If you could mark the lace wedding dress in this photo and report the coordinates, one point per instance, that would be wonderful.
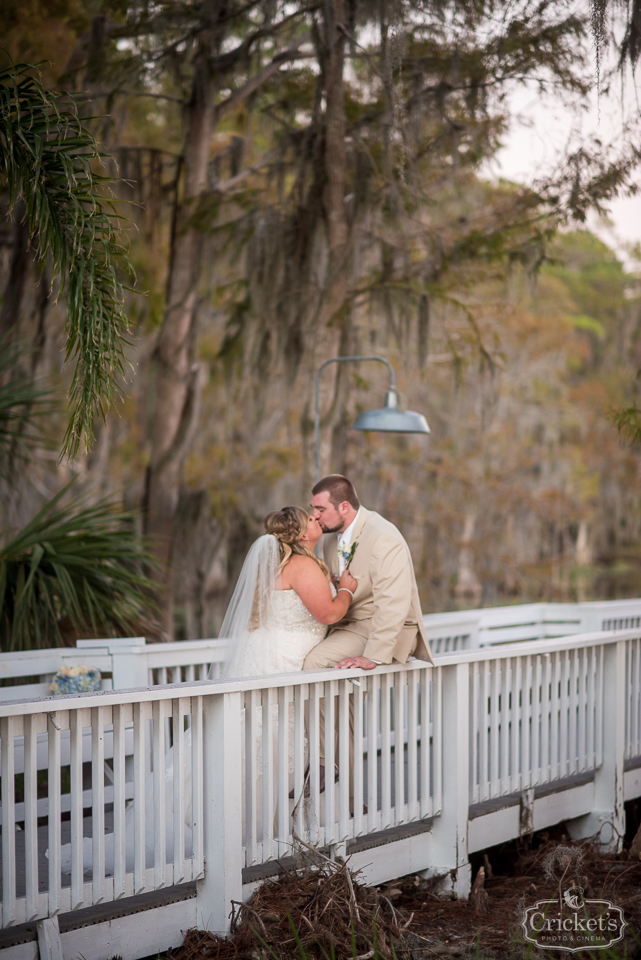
(283, 646)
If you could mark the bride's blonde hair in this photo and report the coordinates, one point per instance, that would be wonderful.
(289, 526)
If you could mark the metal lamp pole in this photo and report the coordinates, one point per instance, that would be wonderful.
(317, 408)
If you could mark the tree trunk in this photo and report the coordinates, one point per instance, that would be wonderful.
(335, 160)
(331, 311)
(176, 381)
(20, 260)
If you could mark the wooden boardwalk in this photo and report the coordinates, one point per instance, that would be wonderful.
(497, 741)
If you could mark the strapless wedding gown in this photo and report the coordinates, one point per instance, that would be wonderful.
(281, 649)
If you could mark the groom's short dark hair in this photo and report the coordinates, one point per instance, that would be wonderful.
(339, 489)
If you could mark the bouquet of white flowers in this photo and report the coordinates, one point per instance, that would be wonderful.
(78, 679)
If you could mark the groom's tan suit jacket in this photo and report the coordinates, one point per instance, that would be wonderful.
(386, 609)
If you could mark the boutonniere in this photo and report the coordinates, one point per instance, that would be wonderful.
(348, 555)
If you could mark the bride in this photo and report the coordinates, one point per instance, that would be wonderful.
(281, 607)
(284, 599)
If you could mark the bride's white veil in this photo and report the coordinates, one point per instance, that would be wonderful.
(250, 607)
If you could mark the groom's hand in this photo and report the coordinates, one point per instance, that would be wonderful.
(348, 663)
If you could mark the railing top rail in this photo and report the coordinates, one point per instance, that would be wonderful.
(140, 647)
(214, 687)
(521, 648)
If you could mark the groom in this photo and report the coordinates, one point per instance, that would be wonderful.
(384, 620)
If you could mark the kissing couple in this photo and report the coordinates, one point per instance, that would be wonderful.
(357, 607)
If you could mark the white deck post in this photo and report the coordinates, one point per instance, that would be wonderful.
(607, 819)
(128, 658)
(449, 833)
(49, 942)
(223, 840)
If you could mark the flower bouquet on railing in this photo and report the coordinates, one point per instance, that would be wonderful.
(79, 679)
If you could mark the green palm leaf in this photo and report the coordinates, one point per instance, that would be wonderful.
(47, 157)
(81, 562)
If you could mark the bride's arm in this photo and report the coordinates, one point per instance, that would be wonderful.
(306, 579)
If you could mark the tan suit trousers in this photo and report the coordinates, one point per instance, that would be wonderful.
(340, 643)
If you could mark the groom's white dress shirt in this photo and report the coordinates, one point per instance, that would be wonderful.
(344, 543)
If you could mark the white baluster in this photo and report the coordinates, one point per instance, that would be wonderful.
(565, 710)
(400, 806)
(7, 728)
(385, 747)
(435, 690)
(160, 806)
(535, 723)
(546, 717)
(252, 713)
(300, 696)
(330, 758)
(179, 708)
(555, 763)
(358, 694)
(98, 803)
(284, 700)
(591, 707)
(484, 694)
(140, 771)
(344, 689)
(504, 739)
(373, 695)
(315, 694)
(30, 814)
(582, 658)
(599, 697)
(475, 733)
(269, 702)
(413, 808)
(197, 788)
(76, 718)
(573, 670)
(53, 760)
(526, 722)
(119, 840)
(495, 718)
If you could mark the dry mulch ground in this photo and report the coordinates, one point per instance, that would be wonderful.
(324, 911)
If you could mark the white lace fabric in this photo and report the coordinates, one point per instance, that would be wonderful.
(282, 648)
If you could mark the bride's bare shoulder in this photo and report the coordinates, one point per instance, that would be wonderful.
(299, 566)
(298, 562)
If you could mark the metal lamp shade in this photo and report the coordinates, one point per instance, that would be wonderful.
(392, 420)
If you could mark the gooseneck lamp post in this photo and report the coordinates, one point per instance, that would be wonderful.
(389, 419)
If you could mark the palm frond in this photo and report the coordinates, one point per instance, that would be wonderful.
(81, 562)
(47, 157)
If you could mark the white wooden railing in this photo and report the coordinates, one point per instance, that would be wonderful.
(124, 662)
(210, 766)
(130, 662)
(492, 626)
